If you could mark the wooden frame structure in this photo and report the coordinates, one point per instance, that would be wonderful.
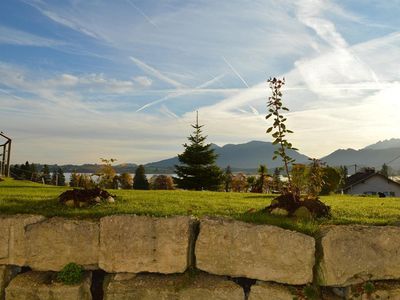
(5, 156)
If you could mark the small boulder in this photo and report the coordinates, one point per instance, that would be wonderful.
(303, 213)
(279, 212)
(110, 199)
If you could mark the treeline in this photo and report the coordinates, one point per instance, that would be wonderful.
(37, 173)
(104, 177)
(107, 178)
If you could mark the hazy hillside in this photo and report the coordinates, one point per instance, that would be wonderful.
(246, 156)
(366, 157)
(386, 144)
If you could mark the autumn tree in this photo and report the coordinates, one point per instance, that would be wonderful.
(197, 169)
(316, 178)
(299, 175)
(162, 182)
(125, 181)
(106, 173)
(331, 180)
(74, 179)
(239, 183)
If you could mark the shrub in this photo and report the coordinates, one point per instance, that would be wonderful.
(70, 274)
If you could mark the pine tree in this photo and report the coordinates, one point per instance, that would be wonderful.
(54, 179)
(140, 181)
(385, 170)
(276, 177)
(61, 177)
(261, 183)
(33, 172)
(198, 170)
(228, 177)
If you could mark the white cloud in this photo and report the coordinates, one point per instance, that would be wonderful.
(143, 81)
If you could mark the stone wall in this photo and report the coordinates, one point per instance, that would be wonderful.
(184, 258)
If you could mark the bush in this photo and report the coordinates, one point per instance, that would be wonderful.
(70, 274)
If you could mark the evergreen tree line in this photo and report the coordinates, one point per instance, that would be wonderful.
(30, 171)
(107, 178)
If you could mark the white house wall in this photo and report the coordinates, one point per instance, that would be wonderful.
(375, 184)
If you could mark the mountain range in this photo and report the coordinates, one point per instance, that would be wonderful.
(375, 155)
(240, 157)
(248, 156)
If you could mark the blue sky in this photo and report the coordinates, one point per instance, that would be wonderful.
(80, 80)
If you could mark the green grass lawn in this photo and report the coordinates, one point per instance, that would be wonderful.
(27, 197)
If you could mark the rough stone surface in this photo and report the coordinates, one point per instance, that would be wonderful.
(382, 291)
(354, 254)
(263, 252)
(12, 238)
(171, 287)
(41, 286)
(144, 244)
(6, 274)
(266, 290)
(55, 242)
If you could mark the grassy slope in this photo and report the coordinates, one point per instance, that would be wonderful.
(28, 197)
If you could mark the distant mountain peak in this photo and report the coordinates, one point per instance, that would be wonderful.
(385, 144)
(243, 156)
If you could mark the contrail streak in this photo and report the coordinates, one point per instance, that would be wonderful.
(181, 93)
(155, 72)
(142, 13)
(234, 71)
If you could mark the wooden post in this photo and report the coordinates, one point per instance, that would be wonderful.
(8, 159)
(3, 160)
(6, 164)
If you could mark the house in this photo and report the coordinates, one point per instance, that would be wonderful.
(370, 182)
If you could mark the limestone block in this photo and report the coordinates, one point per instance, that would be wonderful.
(12, 238)
(264, 252)
(42, 286)
(6, 274)
(171, 287)
(55, 242)
(266, 290)
(136, 244)
(354, 254)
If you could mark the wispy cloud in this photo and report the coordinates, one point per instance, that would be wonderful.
(17, 37)
(64, 21)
